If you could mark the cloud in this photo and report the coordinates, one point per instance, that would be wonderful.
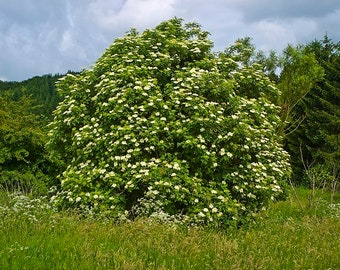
(28, 35)
(39, 36)
(330, 25)
(128, 14)
(273, 33)
(284, 9)
(54, 36)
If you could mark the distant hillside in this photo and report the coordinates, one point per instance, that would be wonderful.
(7, 85)
(40, 88)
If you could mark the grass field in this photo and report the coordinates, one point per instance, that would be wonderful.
(32, 236)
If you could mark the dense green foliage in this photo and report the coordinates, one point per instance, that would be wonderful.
(316, 141)
(25, 110)
(22, 143)
(162, 127)
(300, 74)
(40, 88)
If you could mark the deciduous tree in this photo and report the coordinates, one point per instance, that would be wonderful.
(162, 127)
(23, 163)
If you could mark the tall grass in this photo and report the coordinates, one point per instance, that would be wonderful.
(33, 236)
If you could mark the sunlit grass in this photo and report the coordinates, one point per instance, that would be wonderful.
(285, 237)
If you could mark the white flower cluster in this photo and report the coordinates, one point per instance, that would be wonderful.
(25, 207)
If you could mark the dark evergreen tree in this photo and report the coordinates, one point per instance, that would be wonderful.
(316, 141)
(42, 90)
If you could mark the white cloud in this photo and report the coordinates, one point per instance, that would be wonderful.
(330, 25)
(268, 9)
(39, 36)
(69, 14)
(139, 14)
(67, 41)
(271, 35)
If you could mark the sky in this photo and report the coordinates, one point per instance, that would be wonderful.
(39, 37)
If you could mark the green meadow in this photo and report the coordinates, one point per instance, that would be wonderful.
(286, 236)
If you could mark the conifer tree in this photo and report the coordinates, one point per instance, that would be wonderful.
(317, 139)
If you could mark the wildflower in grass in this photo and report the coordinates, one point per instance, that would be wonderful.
(222, 152)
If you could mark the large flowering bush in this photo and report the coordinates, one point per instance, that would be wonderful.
(162, 127)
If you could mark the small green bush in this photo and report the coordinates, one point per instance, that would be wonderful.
(163, 127)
